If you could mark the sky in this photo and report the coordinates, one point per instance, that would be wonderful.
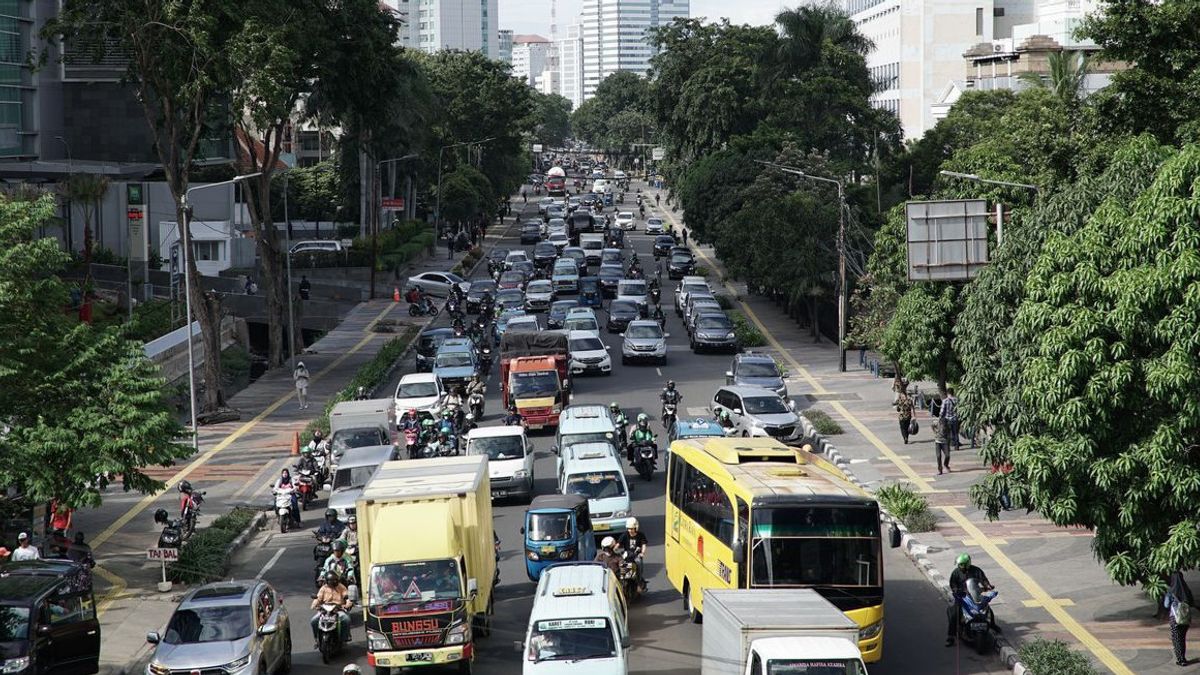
(533, 16)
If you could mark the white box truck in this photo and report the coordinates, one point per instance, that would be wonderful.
(777, 632)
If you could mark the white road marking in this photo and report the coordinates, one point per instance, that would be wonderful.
(658, 370)
(270, 563)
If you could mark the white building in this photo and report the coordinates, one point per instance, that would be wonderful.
(570, 65)
(506, 46)
(530, 55)
(919, 47)
(615, 35)
(468, 25)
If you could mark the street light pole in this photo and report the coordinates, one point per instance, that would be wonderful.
(376, 207)
(976, 178)
(843, 291)
(185, 237)
(437, 209)
(287, 251)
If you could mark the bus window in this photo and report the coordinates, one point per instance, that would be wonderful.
(817, 545)
(707, 504)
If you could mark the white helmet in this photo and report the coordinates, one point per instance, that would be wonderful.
(351, 669)
(631, 523)
(608, 542)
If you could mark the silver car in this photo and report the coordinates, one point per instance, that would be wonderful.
(644, 339)
(231, 627)
(756, 411)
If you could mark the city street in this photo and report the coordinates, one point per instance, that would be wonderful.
(664, 641)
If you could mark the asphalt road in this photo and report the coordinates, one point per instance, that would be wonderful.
(664, 641)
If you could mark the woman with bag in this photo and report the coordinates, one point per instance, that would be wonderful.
(1178, 602)
(904, 406)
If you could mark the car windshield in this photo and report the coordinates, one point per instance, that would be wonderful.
(818, 545)
(633, 288)
(454, 360)
(357, 438)
(584, 323)
(694, 288)
(665, 239)
(761, 369)
(569, 269)
(622, 306)
(764, 405)
(713, 322)
(587, 344)
(545, 249)
(512, 277)
(524, 325)
(480, 287)
(644, 332)
(595, 485)
(538, 287)
(224, 623)
(14, 623)
(497, 447)
(534, 384)
(654, 221)
(610, 257)
(416, 390)
(554, 526)
(411, 584)
(510, 295)
(814, 667)
(681, 258)
(352, 477)
(571, 640)
(562, 306)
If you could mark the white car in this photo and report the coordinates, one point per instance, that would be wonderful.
(513, 257)
(633, 290)
(655, 226)
(510, 459)
(538, 295)
(317, 246)
(625, 220)
(437, 283)
(422, 391)
(556, 226)
(559, 239)
(582, 319)
(543, 204)
(619, 175)
(588, 353)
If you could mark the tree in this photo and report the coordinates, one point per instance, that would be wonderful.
(1106, 438)
(919, 336)
(810, 32)
(616, 117)
(78, 401)
(1067, 76)
(179, 68)
(87, 189)
(553, 119)
(879, 291)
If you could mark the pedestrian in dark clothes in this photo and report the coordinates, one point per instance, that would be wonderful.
(941, 444)
(684, 231)
(904, 408)
(1178, 602)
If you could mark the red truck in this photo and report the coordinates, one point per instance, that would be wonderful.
(534, 375)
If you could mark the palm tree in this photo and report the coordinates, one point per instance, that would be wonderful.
(87, 189)
(1068, 72)
(806, 31)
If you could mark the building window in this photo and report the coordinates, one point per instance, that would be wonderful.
(207, 251)
(998, 12)
(979, 21)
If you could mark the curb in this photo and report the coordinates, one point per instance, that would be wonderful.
(914, 549)
(239, 541)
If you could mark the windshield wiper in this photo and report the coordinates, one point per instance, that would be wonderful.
(597, 655)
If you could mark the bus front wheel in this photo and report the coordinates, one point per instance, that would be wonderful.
(688, 606)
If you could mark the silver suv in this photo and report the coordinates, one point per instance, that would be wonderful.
(756, 411)
(644, 339)
(231, 627)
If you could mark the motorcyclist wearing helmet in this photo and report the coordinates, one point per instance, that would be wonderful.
(428, 431)
(670, 394)
(513, 418)
(608, 555)
(351, 669)
(332, 527)
(333, 592)
(641, 434)
(410, 422)
(447, 424)
(633, 543)
(339, 561)
(350, 534)
(618, 415)
(318, 438)
(724, 419)
(963, 572)
(307, 460)
(658, 315)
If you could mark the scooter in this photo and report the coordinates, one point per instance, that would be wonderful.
(668, 416)
(412, 439)
(306, 487)
(645, 460)
(630, 583)
(329, 631)
(171, 535)
(475, 403)
(976, 618)
(323, 547)
(423, 308)
(283, 508)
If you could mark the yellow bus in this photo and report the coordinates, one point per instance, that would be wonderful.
(754, 513)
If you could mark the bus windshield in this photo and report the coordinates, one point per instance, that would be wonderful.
(815, 546)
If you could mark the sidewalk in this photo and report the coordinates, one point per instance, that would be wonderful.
(1050, 584)
(237, 460)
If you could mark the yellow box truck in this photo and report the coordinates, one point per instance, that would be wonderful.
(427, 561)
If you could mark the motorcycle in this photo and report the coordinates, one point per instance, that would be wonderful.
(189, 511)
(475, 404)
(655, 294)
(283, 508)
(645, 460)
(306, 487)
(423, 308)
(172, 534)
(467, 426)
(630, 583)
(412, 439)
(361, 394)
(323, 547)
(976, 618)
(454, 307)
(668, 415)
(329, 631)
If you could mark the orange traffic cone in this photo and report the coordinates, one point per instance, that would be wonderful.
(296, 444)
(396, 294)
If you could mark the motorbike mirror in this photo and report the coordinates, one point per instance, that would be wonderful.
(518, 646)
(624, 642)
(666, 335)
(791, 404)
(472, 587)
(737, 411)
(267, 629)
(522, 530)
(153, 637)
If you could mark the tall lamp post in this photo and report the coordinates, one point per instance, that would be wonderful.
(377, 205)
(976, 178)
(843, 291)
(437, 209)
(186, 243)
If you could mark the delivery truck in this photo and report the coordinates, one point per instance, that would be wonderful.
(427, 562)
(534, 376)
(358, 419)
(777, 630)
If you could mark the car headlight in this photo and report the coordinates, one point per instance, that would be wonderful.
(378, 642)
(16, 665)
(730, 335)
(756, 423)
(236, 665)
(458, 635)
(868, 632)
(520, 473)
(621, 514)
(532, 555)
(155, 667)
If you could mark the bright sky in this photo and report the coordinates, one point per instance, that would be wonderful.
(533, 16)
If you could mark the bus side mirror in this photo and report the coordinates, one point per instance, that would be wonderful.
(894, 536)
(472, 587)
(739, 551)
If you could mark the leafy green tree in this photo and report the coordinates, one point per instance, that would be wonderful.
(1067, 76)
(553, 119)
(78, 401)
(920, 334)
(616, 117)
(461, 198)
(879, 291)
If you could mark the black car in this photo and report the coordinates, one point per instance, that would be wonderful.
(620, 313)
(531, 233)
(475, 295)
(614, 238)
(609, 277)
(680, 265)
(713, 331)
(544, 254)
(558, 312)
(50, 623)
(662, 245)
(428, 344)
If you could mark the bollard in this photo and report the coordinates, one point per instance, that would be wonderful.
(396, 294)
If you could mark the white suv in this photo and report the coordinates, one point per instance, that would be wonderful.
(588, 353)
(422, 391)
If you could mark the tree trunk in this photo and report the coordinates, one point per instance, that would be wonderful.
(206, 310)
(274, 272)
(816, 320)
(87, 244)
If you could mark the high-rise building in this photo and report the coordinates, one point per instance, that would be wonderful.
(615, 35)
(506, 46)
(530, 56)
(469, 25)
(570, 65)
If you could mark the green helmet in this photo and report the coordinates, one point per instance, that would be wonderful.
(306, 450)
(427, 423)
(963, 560)
(445, 413)
(724, 414)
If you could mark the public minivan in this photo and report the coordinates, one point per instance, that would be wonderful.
(591, 471)
(579, 620)
(50, 624)
(510, 459)
(582, 424)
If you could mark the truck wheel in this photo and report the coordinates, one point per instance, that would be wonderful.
(383, 670)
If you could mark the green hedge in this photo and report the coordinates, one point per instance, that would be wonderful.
(370, 375)
(1054, 657)
(910, 508)
(747, 333)
(202, 557)
(822, 422)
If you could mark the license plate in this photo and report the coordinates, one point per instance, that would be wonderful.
(976, 627)
(419, 656)
(499, 493)
(601, 527)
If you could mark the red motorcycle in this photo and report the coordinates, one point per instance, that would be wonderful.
(412, 441)
(306, 487)
(189, 507)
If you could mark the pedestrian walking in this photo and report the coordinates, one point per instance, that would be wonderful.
(450, 246)
(904, 408)
(1003, 468)
(683, 231)
(305, 287)
(1178, 602)
(300, 375)
(941, 445)
(524, 199)
(249, 286)
(949, 415)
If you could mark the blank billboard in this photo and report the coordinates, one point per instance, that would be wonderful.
(947, 240)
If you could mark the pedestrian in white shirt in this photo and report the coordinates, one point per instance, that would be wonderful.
(24, 550)
(300, 375)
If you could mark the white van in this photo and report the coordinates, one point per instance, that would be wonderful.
(591, 471)
(584, 423)
(578, 615)
(601, 186)
(317, 246)
(510, 459)
(592, 245)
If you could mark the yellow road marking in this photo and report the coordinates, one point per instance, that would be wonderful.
(1061, 602)
(1027, 582)
(994, 540)
(118, 587)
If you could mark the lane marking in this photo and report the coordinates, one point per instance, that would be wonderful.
(118, 589)
(658, 370)
(270, 563)
(1039, 594)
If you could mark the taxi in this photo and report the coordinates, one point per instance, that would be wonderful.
(578, 616)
